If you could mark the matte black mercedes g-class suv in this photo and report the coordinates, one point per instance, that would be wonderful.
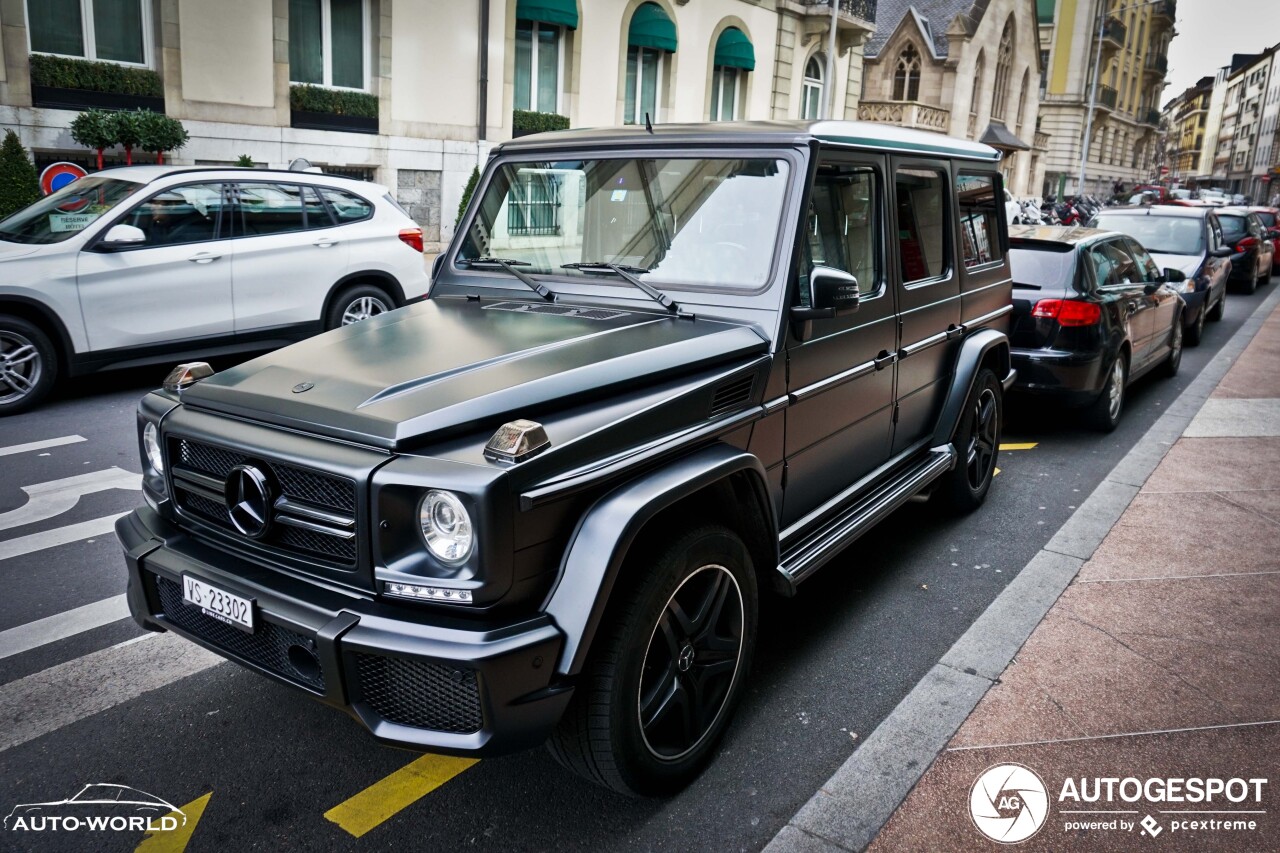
(658, 372)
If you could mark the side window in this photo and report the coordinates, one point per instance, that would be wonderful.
(922, 223)
(187, 214)
(317, 213)
(348, 206)
(271, 209)
(844, 224)
(1214, 233)
(1147, 268)
(979, 226)
(1112, 265)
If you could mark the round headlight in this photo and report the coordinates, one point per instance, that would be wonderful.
(151, 443)
(446, 527)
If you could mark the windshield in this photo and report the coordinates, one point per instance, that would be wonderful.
(1268, 218)
(687, 221)
(65, 213)
(1040, 268)
(1166, 235)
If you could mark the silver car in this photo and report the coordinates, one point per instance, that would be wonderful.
(155, 264)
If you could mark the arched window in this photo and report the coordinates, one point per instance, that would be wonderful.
(906, 77)
(812, 93)
(651, 39)
(1022, 99)
(1004, 59)
(977, 85)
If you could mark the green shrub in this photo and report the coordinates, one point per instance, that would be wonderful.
(127, 125)
(94, 129)
(62, 72)
(160, 133)
(19, 184)
(532, 122)
(245, 160)
(467, 192)
(314, 99)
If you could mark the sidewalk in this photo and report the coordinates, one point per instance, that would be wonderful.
(1161, 659)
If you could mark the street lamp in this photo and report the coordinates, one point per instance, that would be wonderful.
(1103, 14)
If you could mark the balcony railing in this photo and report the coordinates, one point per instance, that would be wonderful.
(905, 114)
(1153, 118)
(1158, 62)
(1115, 32)
(863, 10)
(1041, 141)
(1164, 12)
(1106, 97)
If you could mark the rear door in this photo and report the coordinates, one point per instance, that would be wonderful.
(840, 425)
(985, 290)
(288, 254)
(1119, 282)
(928, 291)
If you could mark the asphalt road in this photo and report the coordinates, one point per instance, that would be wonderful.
(832, 663)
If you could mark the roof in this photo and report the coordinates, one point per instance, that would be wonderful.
(932, 16)
(149, 173)
(1197, 212)
(861, 134)
(1065, 235)
(1000, 136)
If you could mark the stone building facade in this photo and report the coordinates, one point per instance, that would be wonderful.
(966, 68)
(1186, 121)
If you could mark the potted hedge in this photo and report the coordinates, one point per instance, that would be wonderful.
(159, 134)
(127, 127)
(67, 83)
(94, 129)
(317, 108)
(527, 122)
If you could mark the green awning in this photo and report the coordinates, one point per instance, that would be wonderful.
(562, 13)
(650, 27)
(734, 49)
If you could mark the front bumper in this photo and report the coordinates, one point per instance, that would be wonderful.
(1072, 378)
(415, 680)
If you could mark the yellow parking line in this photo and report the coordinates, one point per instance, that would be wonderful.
(997, 473)
(176, 840)
(1026, 445)
(387, 797)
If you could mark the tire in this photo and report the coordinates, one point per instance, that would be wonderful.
(1195, 332)
(652, 650)
(1105, 412)
(356, 303)
(28, 365)
(977, 445)
(1250, 284)
(1219, 307)
(1174, 361)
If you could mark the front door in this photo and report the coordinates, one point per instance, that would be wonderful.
(1119, 280)
(839, 427)
(1162, 304)
(175, 286)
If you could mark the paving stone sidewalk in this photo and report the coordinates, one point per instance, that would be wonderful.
(1161, 658)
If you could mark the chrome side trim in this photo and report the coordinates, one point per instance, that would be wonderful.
(924, 344)
(832, 381)
(771, 406)
(986, 318)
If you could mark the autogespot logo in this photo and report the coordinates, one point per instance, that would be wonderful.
(1008, 803)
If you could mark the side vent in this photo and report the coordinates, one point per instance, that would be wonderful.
(732, 394)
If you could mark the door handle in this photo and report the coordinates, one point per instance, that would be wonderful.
(204, 257)
(883, 360)
(324, 244)
(1133, 308)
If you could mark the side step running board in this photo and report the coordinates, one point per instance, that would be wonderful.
(815, 547)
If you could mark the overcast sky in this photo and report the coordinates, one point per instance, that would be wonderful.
(1209, 31)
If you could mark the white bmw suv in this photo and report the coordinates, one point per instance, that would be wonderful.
(155, 264)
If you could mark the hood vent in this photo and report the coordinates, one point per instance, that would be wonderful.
(560, 310)
(732, 394)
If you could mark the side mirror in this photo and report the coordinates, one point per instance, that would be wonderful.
(1221, 252)
(122, 237)
(832, 292)
(1151, 287)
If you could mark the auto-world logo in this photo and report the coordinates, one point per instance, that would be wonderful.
(100, 807)
(1008, 803)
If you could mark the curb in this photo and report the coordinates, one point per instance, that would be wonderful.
(848, 811)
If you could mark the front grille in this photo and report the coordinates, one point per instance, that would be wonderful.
(268, 646)
(421, 694)
(300, 486)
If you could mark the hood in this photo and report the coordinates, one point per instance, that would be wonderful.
(447, 366)
(1188, 264)
(9, 251)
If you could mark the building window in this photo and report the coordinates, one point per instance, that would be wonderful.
(533, 205)
(539, 58)
(108, 30)
(1022, 99)
(811, 95)
(644, 84)
(726, 88)
(977, 86)
(1004, 59)
(327, 43)
(906, 77)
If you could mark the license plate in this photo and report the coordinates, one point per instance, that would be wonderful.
(219, 604)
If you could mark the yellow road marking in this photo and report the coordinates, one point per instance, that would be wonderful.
(387, 797)
(175, 840)
(997, 473)
(1026, 445)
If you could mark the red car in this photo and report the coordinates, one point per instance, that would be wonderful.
(1270, 218)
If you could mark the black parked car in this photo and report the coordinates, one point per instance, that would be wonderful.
(1091, 313)
(658, 373)
(1183, 238)
(1254, 251)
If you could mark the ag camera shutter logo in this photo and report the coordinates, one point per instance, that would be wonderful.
(1008, 803)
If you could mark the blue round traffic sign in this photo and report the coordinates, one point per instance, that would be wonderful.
(58, 175)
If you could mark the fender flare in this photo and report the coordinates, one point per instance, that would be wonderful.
(385, 280)
(973, 351)
(604, 535)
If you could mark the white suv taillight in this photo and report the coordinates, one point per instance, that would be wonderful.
(412, 237)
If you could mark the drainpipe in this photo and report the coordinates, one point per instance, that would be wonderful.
(829, 107)
(482, 108)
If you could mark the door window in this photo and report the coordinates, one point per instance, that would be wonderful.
(186, 214)
(922, 223)
(318, 215)
(979, 226)
(271, 209)
(1112, 265)
(348, 207)
(1147, 268)
(844, 224)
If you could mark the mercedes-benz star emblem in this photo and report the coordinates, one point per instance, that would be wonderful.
(303, 386)
(248, 497)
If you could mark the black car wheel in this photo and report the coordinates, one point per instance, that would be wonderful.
(1196, 330)
(1105, 412)
(1250, 284)
(977, 445)
(28, 365)
(660, 691)
(1219, 307)
(1174, 361)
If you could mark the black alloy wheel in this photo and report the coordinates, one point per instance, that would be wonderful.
(977, 444)
(1174, 361)
(1195, 332)
(1219, 307)
(1104, 414)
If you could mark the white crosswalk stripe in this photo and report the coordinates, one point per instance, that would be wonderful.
(47, 500)
(50, 629)
(40, 445)
(58, 536)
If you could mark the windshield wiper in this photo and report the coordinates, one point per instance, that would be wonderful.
(628, 274)
(510, 264)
